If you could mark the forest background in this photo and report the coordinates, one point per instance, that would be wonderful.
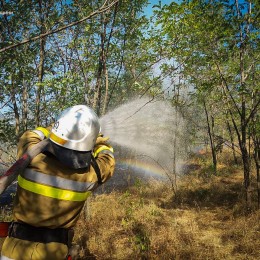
(200, 56)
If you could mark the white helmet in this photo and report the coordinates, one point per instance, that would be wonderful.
(76, 128)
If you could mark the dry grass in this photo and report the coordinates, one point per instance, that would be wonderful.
(205, 220)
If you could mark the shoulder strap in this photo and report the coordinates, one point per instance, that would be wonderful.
(96, 168)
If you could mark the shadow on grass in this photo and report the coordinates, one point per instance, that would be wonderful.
(209, 192)
(211, 196)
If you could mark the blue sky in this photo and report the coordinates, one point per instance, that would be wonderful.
(148, 10)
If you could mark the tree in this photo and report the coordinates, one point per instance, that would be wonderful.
(217, 44)
(55, 54)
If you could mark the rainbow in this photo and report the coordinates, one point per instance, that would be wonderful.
(148, 169)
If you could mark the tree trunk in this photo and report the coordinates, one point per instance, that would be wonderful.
(106, 98)
(16, 112)
(210, 133)
(24, 105)
(256, 154)
(232, 142)
(106, 90)
(243, 143)
(257, 165)
(97, 95)
(40, 70)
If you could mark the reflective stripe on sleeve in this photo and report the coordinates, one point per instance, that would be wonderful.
(41, 135)
(52, 192)
(44, 131)
(102, 149)
(3, 257)
(107, 152)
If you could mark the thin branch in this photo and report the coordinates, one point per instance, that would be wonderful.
(102, 9)
(251, 66)
(5, 164)
(112, 27)
(119, 70)
(6, 103)
(150, 101)
(252, 112)
(228, 90)
(165, 170)
(161, 77)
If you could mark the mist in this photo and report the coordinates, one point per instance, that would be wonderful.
(151, 129)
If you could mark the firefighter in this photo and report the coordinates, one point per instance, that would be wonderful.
(52, 190)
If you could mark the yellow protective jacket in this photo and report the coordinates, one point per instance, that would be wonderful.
(50, 194)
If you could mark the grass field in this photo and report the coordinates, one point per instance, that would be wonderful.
(206, 219)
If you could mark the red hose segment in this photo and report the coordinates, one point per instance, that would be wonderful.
(12, 173)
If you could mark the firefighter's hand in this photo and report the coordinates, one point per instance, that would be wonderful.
(102, 146)
(101, 140)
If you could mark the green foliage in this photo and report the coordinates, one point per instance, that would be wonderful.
(215, 47)
(141, 239)
(71, 59)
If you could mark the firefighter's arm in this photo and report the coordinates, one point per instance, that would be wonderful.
(104, 155)
(42, 132)
(30, 138)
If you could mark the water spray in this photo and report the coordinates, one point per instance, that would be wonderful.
(147, 127)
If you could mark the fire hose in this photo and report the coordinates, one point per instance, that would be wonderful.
(12, 173)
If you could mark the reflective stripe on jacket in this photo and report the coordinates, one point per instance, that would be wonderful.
(54, 186)
(50, 194)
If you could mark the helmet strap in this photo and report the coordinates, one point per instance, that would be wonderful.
(96, 168)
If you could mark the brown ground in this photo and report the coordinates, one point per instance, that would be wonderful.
(204, 218)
